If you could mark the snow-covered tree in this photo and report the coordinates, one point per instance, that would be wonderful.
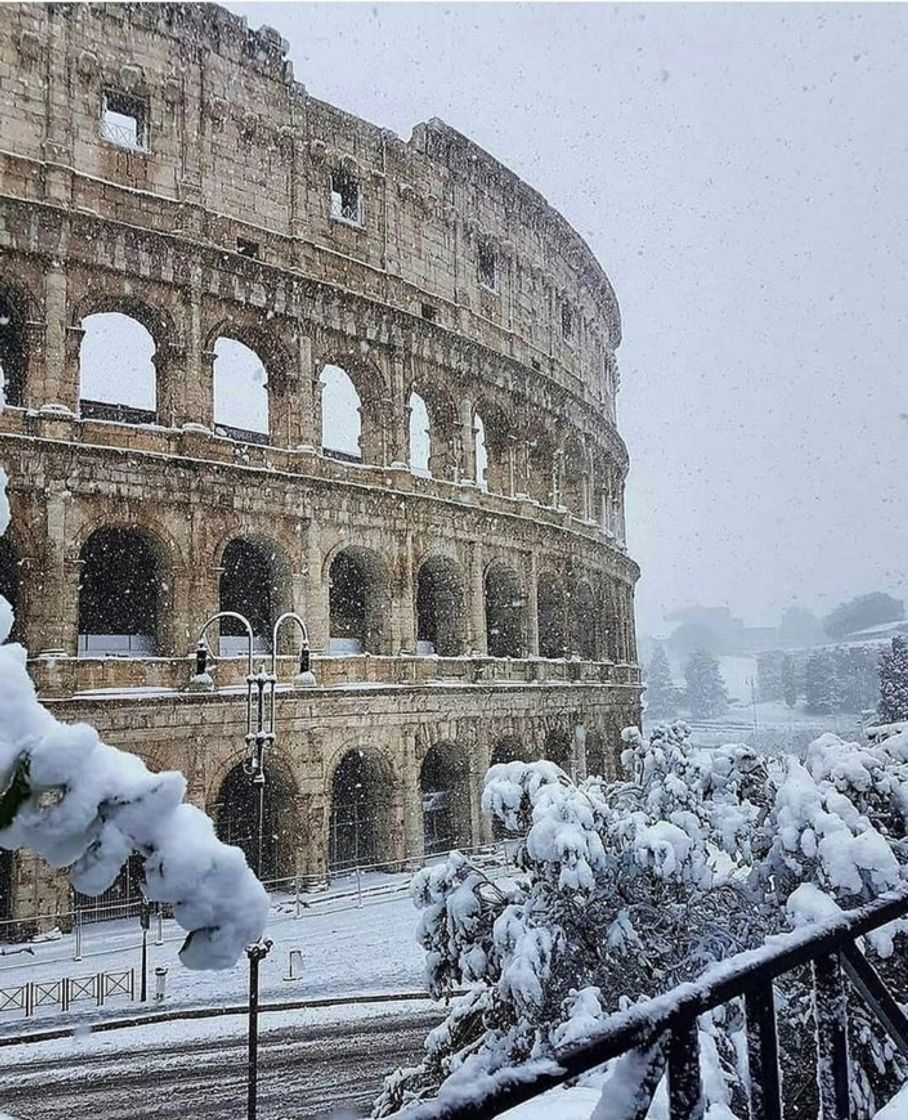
(87, 806)
(894, 681)
(821, 689)
(622, 889)
(706, 695)
(661, 696)
(789, 675)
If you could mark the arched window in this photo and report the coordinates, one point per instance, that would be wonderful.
(341, 415)
(117, 379)
(250, 585)
(510, 748)
(357, 603)
(439, 608)
(120, 595)
(559, 748)
(505, 604)
(360, 802)
(583, 610)
(552, 606)
(12, 352)
(481, 452)
(420, 440)
(10, 584)
(240, 392)
(445, 788)
(237, 821)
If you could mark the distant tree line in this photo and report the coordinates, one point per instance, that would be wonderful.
(703, 693)
(835, 679)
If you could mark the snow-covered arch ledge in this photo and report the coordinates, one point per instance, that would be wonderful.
(86, 806)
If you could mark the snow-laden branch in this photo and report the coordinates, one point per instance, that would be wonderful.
(86, 806)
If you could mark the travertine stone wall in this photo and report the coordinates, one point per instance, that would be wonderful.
(235, 148)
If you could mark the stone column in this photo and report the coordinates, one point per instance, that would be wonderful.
(521, 469)
(414, 837)
(468, 441)
(477, 636)
(196, 402)
(316, 617)
(60, 376)
(55, 602)
(305, 431)
(404, 633)
(532, 607)
(398, 434)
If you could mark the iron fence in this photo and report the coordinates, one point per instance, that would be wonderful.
(661, 1033)
(99, 987)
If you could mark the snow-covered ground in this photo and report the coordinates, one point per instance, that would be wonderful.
(345, 950)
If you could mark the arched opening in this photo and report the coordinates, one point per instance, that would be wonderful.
(122, 899)
(10, 585)
(236, 816)
(359, 829)
(559, 748)
(252, 582)
(121, 595)
(510, 748)
(552, 609)
(481, 453)
(583, 611)
(444, 783)
(505, 604)
(341, 415)
(443, 430)
(574, 479)
(420, 438)
(358, 606)
(439, 608)
(597, 759)
(13, 358)
(240, 392)
(117, 376)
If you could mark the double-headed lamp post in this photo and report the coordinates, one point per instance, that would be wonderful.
(261, 719)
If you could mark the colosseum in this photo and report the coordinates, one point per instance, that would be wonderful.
(263, 356)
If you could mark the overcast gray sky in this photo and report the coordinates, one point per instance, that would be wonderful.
(741, 173)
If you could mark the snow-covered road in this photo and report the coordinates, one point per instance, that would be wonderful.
(311, 1064)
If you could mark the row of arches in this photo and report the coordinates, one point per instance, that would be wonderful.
(125, 590)
(361, 816)
(125, 355)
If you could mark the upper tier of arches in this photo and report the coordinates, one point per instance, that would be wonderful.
(127, 357)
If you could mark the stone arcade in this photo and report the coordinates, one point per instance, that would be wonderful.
(456, 550)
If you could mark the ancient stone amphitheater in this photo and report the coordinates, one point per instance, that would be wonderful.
(261, 355)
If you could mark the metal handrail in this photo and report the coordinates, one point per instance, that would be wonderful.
(664, 1029)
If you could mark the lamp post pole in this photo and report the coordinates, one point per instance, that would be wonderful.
(261, 713)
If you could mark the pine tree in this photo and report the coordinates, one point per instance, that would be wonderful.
(789, 681)
(661, 693)
(894, 681)
(821, 690)
(706, 695)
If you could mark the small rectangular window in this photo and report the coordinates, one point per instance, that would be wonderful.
(488, 265)
(124, 120)
(429, 313)
(567, 322)
(346, 200)
(247, 248)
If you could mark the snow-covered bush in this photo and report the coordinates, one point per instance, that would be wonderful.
(620, 890)
(87, 806)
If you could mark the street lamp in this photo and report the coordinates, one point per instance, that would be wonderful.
(261, 689)
(261, 719)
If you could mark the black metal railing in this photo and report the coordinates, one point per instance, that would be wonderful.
(121, 413)
(662, 1032)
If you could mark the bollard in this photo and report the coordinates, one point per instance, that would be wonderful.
(77, 952)
(160, 981)
(359, 888)
(297, 900)
(294, 964)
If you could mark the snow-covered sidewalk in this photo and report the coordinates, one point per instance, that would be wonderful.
(345, 950)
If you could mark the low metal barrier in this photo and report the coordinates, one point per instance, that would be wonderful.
(662, 1032)
(99, 987)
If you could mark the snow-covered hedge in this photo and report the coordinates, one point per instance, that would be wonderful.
(87, 806)
(623, 889)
